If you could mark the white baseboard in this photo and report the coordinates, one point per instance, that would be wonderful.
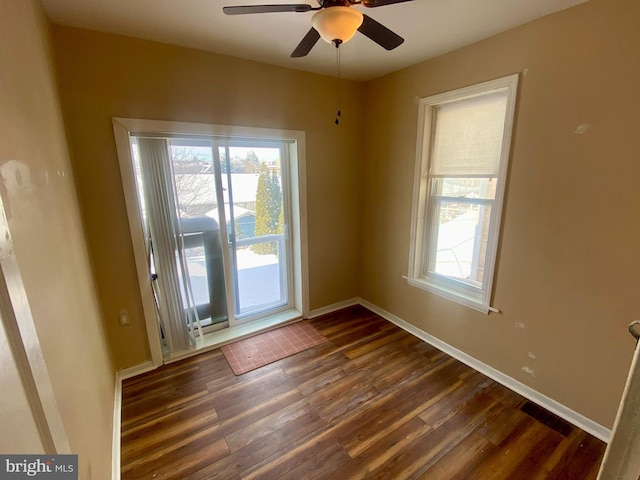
(529, 393)
(334, 307)
(136, 370)
(117, 412)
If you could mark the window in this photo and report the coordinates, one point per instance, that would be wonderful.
(461, 165)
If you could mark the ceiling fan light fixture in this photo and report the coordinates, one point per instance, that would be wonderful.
(337, 23)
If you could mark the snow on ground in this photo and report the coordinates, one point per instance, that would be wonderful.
(258, 279)
(247, 258)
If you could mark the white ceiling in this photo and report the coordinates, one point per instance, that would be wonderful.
(430, 28)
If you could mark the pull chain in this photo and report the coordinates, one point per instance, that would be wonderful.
(337, 44)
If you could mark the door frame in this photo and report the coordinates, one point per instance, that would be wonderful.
(23, 342)
(124, 127)
(621, 459)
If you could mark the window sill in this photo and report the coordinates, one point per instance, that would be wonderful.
(219, 338)
(456, 296)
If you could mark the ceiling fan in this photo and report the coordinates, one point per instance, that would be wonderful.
(335, 22)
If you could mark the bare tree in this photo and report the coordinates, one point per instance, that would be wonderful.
(194, 180)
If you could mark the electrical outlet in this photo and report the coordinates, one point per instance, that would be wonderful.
(124, 318)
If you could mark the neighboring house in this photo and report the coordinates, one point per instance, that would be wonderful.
(194, 192)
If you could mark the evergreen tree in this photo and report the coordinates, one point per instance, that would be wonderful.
(268, 207)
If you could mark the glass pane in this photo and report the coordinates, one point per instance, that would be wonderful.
(254, 209)
(461, 241)
(194, 178)
(192, 163)
(261, 275)
(469, 187)
(198, 274)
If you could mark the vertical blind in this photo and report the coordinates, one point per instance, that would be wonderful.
(176, 312)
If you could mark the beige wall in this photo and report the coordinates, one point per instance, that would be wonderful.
(566, 279)
(104, 76)
(568, 271)
(38, 192)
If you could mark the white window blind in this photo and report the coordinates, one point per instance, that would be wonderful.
(468, 137)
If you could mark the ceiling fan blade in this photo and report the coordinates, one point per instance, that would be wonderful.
(379, 33)
(307, 43)
(245, 9)
(380, 3)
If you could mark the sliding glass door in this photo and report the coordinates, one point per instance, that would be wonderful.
(257, 215)
(228, 204)
(197, 200)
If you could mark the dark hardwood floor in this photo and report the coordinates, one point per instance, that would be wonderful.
(372, 402)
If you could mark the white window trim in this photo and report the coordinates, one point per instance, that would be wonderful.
(457, 291)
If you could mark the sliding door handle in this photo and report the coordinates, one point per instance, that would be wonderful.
(634, 329)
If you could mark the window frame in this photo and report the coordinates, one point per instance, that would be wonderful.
(424, 209)
(124, 128)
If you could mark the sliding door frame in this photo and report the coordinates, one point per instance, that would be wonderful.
(124, 127)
